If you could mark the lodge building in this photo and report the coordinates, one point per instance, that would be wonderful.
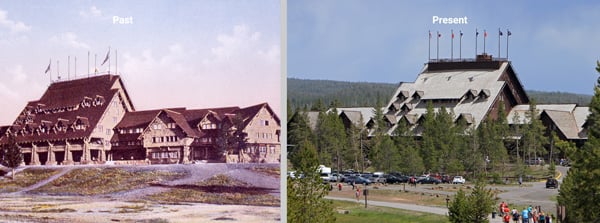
(92, 120)
(472, 89)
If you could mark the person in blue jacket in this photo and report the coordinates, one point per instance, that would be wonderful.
(525, 215)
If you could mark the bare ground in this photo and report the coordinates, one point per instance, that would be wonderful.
(129, 206)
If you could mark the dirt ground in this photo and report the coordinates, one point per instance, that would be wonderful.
(82, 210)
(26, 206)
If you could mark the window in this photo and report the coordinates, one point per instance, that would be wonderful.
(156, 126)
(100, 128)
(108, 131)
(138, 130)
(262, 149)
(130, 131)
(264, 122)
(115, 119)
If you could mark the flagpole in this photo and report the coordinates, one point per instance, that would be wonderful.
(88, 70)
(499, 35)
(116, 62)
(507, 35)
(109, 60)
(429, 48)
(476, 36)
(452, 45)
(58, 70)
(484, 37)
(438, 46)
(50, 70)
(460, 46)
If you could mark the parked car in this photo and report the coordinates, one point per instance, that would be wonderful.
(377, 177)
(391, 179)
(358, 180)
(429, 180)
(551, 183)
(446, 179)
(458, 180)
(535, 161)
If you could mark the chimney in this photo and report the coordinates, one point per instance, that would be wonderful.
(484, 57)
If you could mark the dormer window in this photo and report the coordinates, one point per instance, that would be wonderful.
(402, 95)
(417, 95)
(407, 107)
(485, 93)
(98, 101)
(87, 102)
(470, 94)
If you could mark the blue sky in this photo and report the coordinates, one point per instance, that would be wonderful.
(554, 44)
(193, 54)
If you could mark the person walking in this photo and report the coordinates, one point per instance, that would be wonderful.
(506, 218)
(516, 216)
(525, 215)
(357, 194)
(339, 186)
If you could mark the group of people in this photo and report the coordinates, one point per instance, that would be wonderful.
(528, 215)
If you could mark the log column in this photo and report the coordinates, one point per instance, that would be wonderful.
(51, 155)
(68, 155)
(35, 159)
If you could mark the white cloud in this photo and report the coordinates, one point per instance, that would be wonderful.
(242, 69)
(69, 39)
(91, 12)
(13, 26)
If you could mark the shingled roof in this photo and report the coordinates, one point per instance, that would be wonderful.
(81, 101)
(468, 89)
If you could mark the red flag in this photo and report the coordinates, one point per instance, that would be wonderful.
(484, 34)
(429, 34)
(452, 35)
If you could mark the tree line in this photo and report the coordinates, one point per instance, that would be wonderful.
(307, 93)
(443, 146)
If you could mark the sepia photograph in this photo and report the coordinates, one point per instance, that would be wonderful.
(140, 111)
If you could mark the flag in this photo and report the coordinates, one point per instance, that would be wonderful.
(48, 69)
(106, 58)
(476, 33)
(439, 35)
(500, 32)
(508, 33)
(452, 34)
(429, 34)
(461, 33)
(484, 34)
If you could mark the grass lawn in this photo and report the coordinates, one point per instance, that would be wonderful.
(219, 189)
(93, 181)
(25, 178)
(359, 214)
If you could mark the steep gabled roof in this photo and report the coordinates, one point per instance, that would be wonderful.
(248, 113)
(85, 99)
(445, 85)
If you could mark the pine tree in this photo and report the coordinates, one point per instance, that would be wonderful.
(298, 131)
(11, 154)
(428, 146)
(306, 202)
(579, 192)
(472, 208)
(533, 134)
(409, 159)
(459, 208)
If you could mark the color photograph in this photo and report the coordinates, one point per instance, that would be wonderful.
(403, 111)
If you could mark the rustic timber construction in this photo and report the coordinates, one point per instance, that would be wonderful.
(93, 121)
